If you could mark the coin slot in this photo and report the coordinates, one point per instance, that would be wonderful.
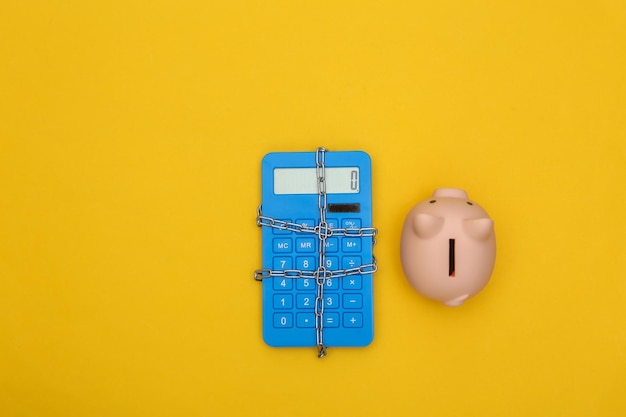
(451, 268)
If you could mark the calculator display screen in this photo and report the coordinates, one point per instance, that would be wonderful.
(344, 180)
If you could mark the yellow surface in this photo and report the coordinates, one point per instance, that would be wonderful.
(131, 135)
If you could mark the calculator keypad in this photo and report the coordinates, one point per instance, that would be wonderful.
(294, 299)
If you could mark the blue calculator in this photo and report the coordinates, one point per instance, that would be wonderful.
(317, 237)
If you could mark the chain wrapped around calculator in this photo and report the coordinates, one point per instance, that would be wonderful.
(345, 182)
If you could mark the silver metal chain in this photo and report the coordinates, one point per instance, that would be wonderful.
(261, 274)
(265, 221)
(323, 232)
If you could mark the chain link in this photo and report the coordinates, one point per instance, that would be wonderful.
(261, 274)
(323, 232)
(282, 225)
(362, 232)
(265, 221)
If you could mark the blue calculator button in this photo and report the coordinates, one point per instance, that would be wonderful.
(283, 320)
(305, 320)
(305, 284)
(331, 300)
(281, 231)
(283, 301)
(351, 223)
(305, 300)
(349, 262)
(352, 320)
(305, 263)
(352, 301)
(351, 244)
(331, 284)
(306, 222)
(281, 283)
(332, 223)
(305, 244)
(282, 245)
(331, 320)
(332, 244)
(283, 262)
(332, 263)
(352, 282)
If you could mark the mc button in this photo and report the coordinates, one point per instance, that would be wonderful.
(282, 245)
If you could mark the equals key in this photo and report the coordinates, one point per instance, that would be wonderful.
(331, 320)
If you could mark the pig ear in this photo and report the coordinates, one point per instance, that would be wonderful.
(479, 229)
(427, 225)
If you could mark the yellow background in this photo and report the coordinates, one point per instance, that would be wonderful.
(131, 136)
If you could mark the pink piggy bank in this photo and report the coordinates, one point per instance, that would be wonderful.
(448, 247)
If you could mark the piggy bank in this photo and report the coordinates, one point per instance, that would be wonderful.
(448, 247)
